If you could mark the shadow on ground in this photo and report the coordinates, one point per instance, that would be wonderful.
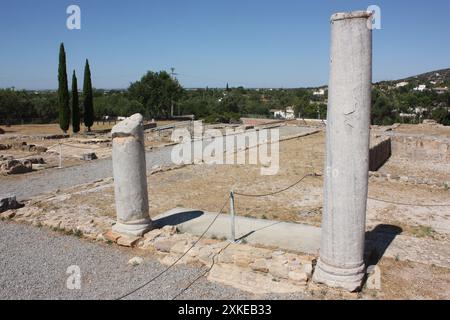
(378, 240)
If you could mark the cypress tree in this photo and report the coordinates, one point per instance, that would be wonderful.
(63, 91)
(88, 99)
(75, 105)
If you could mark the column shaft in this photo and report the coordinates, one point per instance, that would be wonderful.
(130, 177)
(347, 152)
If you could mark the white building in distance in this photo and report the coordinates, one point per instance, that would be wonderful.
(420, 88)
(280, 113)
(441, 90)
(319, 92)
(401, 84)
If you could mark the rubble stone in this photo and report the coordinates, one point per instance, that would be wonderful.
(164, 245)
(135, 261)
(260, 265)
(128, 241)
(298, 276)
(112, 236)
(9, 203)
(89, 156)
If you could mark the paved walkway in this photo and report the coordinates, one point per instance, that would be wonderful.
(384, 240)
(32, 184)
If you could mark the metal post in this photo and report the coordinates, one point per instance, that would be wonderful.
(60, 156)
(232, 218)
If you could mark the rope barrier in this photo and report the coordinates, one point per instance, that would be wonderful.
(279, 191)
(79, 147)
(176, 261)
(55, 145)
(70, 145)
(203, 274)
(409, 204)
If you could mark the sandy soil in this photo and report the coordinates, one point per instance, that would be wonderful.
(399, 280)
(424, 129)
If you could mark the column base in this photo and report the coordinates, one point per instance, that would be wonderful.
(349, 279)
(133, 229)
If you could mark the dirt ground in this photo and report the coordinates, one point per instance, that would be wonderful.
(421, 129)
(206, 187)
(399, 280)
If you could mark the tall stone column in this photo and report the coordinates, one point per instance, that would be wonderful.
(341, 262)
(130, 177)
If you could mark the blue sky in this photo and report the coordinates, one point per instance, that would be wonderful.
(253, 43)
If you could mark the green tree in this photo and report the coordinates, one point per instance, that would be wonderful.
(442, 116)
(88, 99)
(156, 91)
(63, 91)
(75, 105)
(382, 111)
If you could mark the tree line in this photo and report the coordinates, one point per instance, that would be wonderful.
(158, 95)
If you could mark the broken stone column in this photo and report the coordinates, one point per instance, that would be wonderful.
(130, 177)
(341, 262)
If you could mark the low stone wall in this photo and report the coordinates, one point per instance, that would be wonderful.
(259, 121)
(380, 152)
(149, 125)
(436, 149)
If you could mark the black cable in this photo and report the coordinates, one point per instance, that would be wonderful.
(409, 204)
(276, 192)
(176, 261)
(203, 274)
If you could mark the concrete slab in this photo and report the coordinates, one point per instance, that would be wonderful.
(382, 241)
(283, 235)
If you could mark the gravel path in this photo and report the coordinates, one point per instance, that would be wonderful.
(34, 261)
(32, 184)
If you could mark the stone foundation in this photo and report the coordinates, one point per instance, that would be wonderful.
(248, 268)
(421, 148)
(379, 153)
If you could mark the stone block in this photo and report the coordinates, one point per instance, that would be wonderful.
(307, 268)
(112, 236)
(152, 235)
(179, 247)
(298, 276)
(9, 203)
(89, 156)
(206, 255)
(16, 167)
(242, 260)
(260, 265)
(135, 261)
(225, 257)
(279, 270)
(127, 241)
(164, 245)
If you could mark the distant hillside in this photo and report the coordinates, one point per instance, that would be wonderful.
(437, 78)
